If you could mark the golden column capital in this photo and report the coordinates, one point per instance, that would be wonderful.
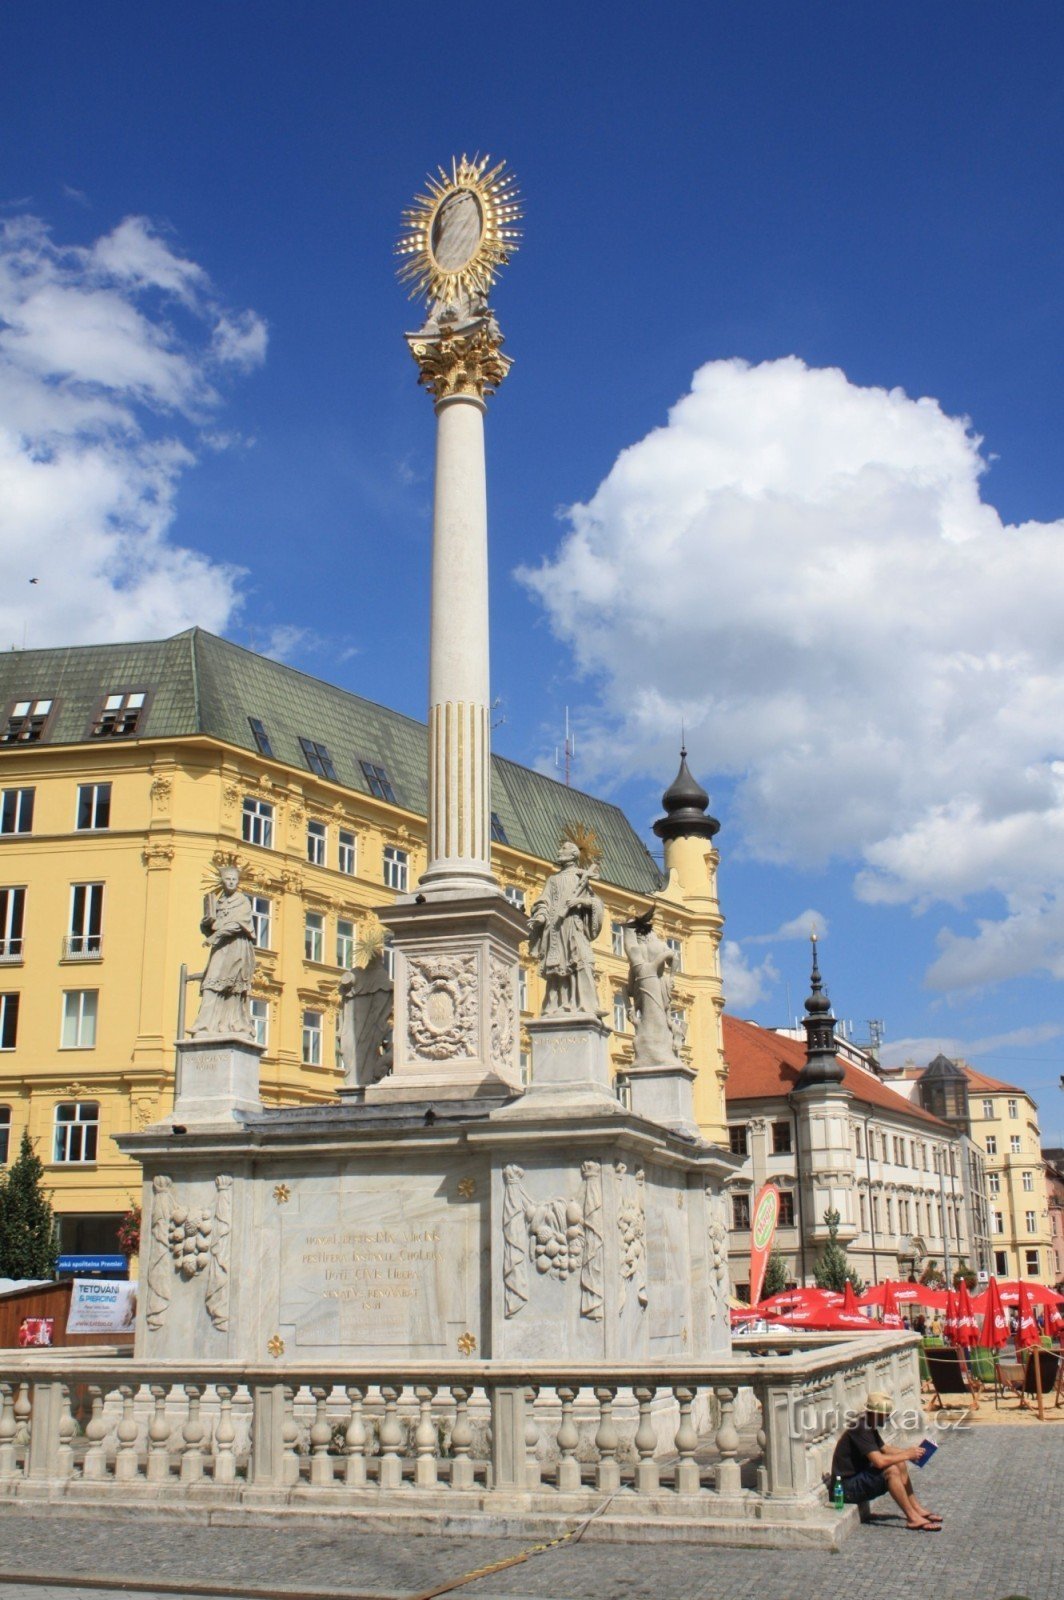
(459, 352)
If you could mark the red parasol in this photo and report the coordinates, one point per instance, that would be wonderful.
(967, 1321)
(949, 1324)
(891, 1314)
(904, 1294)
(1038, 1293)
(849, 1300)
(1028, 1331)
(995, 1329)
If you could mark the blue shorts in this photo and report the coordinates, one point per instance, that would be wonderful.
(866, 1485)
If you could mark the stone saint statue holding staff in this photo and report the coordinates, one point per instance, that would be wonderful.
(565, 920)
(225, 988)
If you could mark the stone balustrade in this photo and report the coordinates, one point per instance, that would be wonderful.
(542, 1441)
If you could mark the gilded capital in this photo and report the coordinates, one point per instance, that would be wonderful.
(459, 351)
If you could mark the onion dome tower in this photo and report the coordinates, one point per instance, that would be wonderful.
(822, 1065)
(685, 802)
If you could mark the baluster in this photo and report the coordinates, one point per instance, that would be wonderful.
(321, 1467)
(225, 1438)
(729, 1480)
(425, 1440)
(64, 1460)
(193, 1434)
(647, 1476)
(461, 1441)
(158, 1465)
(290, 1439)
(8, 1429)
(355, 1440)
(94, 1466)
(687, 1479)
(533, 1466)
(608, 1472)
(126, 1434)
(23, 1412)
(568, 1438)
(391, 1436)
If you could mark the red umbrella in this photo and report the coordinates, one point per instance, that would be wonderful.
(849, 1299)
(1028, 1332)
(949, 1324)
(967, 1321)
(995, 1329)
(904, 1294)
(798, 1300)
(829, 1319)
(1037, 1293)
(891, 1314)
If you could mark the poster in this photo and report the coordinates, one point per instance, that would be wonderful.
(102, 1305)
(35, 1331)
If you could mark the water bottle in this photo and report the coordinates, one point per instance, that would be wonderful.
(838, 1499)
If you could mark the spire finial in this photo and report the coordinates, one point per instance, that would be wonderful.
(822, 1065)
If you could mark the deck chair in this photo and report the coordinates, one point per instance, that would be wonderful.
(1026, 1388)
(949, 1377)
(982, 1370)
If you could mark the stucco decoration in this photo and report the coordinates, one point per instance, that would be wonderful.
(160, 1271)
(649, 996)
(218, 1269)
(591, 1286)
(565, 920)
(632, 1228)
(719, 1276)
(516, 1208)
(366, 1002)
(225, 988)
(442, 1006)
(502, 1010)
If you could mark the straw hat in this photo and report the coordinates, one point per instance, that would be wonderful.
(879, 1404)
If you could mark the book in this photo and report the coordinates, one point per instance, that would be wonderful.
(927, 1450)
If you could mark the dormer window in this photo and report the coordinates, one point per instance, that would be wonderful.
(260, 736)
(26, 721)
(498, 832)
(318, 759)
(379, 782)
(119, 715)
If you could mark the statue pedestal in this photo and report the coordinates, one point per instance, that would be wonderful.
(216, 1077)
(570, 1064)
(664, 1093)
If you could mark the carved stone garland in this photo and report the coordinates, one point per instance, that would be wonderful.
(187, 1241)
(632, 1228)
(559, 1236)
(502, 1010)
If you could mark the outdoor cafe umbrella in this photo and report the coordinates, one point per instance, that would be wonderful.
(1029, 1336)
(891, 1313)
(1038, 1294)
(949, 1323)
(903, 1293)
(995, 1330)
(967, 1321)
(849, 1299)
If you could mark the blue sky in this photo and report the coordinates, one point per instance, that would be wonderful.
(775, 257)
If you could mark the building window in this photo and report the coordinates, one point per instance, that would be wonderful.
(498, 832)
(318, 759)
(515, 896)
(261, 912)
(781, 1138)
(388, 954)
(857, 1142)
(260, 1017)
(346, 852)
(119, 715)
(26, 721)
(999, 1222)
(890, 1215)
(1001, 1263)
(312, 1038)
(16, 811)
(1014, 1144)
(740, 1211)
(786, 1217)
(993, 1182)
(617, 938)
(991, 1144)
(525, 1062)
(988, 1108)
(620, 1011)
(738, 1143)
(1030, 1263)
(678, 1024)
(317, 834)
(396, 862)
(676, 946)
(862, 1201)
(1014, 1109)
(314, 936)
(5, 1134)
(345, 943)
(522, 989)
(85, 938)
(1030, 1222)
(12, 918)
(77, 1123)
(260, 736)
(257, 823)
(1028, 1182)
(78, 1030)
(94, 807)
(875, 1212)
(8, 1021)
(379, 782)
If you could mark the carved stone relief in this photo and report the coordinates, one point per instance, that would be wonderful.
(515, 1209)
(217, 1297)
(591, 1288)
(502, 1010)
(632, 1227)
(160, 1269)
(559, 1236)
(719, 1276)
(442, 1006)
(184, 1242)
(190, 1239)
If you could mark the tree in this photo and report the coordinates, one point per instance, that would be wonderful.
(833, 1271)
(29, 1243)
(775, 1275)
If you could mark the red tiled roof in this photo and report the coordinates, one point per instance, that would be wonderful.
(979, 1080)
(764, 1066)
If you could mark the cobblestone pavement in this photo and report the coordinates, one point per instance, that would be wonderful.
(1001, 1492)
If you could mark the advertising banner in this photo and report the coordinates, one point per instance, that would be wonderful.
(102, 1305)
(762, 1232)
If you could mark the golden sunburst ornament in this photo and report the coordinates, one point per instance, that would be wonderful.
(457, 236)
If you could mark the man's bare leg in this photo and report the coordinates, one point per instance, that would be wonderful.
(899, 1491)
(929, 1516)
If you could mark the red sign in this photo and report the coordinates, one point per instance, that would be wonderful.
(36, 1331)
(762, 1232)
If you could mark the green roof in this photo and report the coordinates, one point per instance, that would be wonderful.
(200, 684)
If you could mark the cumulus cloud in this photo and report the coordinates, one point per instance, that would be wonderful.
(112, 358)
(799, 927)
(745, 983)
(805, 572)
(923, 1050)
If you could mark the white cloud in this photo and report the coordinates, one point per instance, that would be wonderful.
(805, 573)
(745, 984)
(799, 927)
(110, 360)
(925, 1050)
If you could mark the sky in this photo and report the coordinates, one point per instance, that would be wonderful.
(778, 464)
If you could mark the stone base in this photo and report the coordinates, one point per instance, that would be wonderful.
(570, 1064)
(664, 1094)
(215, 1079)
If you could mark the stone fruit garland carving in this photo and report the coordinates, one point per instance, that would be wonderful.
(559, 1236)
(718, 1250)
(187, 1241)
(632, 1227)
(442, 1006)
(190, 1239)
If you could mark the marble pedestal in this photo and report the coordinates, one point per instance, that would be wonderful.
(216, 1079)
(664, 1093)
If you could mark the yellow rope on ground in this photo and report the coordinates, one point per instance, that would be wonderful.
(511, 1561)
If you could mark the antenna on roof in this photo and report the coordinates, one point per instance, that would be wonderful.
(569, 748)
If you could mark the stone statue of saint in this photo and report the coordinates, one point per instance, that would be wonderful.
(565, 920)
(366, 998)
(650, 963)
(229, 929)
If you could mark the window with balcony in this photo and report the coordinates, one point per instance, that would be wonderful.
(317, 835)
(77, 1126)
(318, 759)
(738, 1141)
(396, 865)
(347, 852)
(27, 721)
(94, 807)
(78, 1026)
(345, 943)
(257, 823)
(1014, 1144)
(781, 1138)
(314, 936)
(515, 896)
(1014, 1109)
(312, 1021)
(12, 921)
(740, 1212)
(378, 781)
(260, 736)
(786, 1216)
(16, 810)
(119, 715)
(8, 1021)
(84, 940)
(260, 1020)
(991, 1144)
(498, 832)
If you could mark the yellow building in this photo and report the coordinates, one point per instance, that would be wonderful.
(1004, 1122)
(130, 772)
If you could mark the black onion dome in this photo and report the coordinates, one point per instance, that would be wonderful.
(822, 1065)
(685, 803)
